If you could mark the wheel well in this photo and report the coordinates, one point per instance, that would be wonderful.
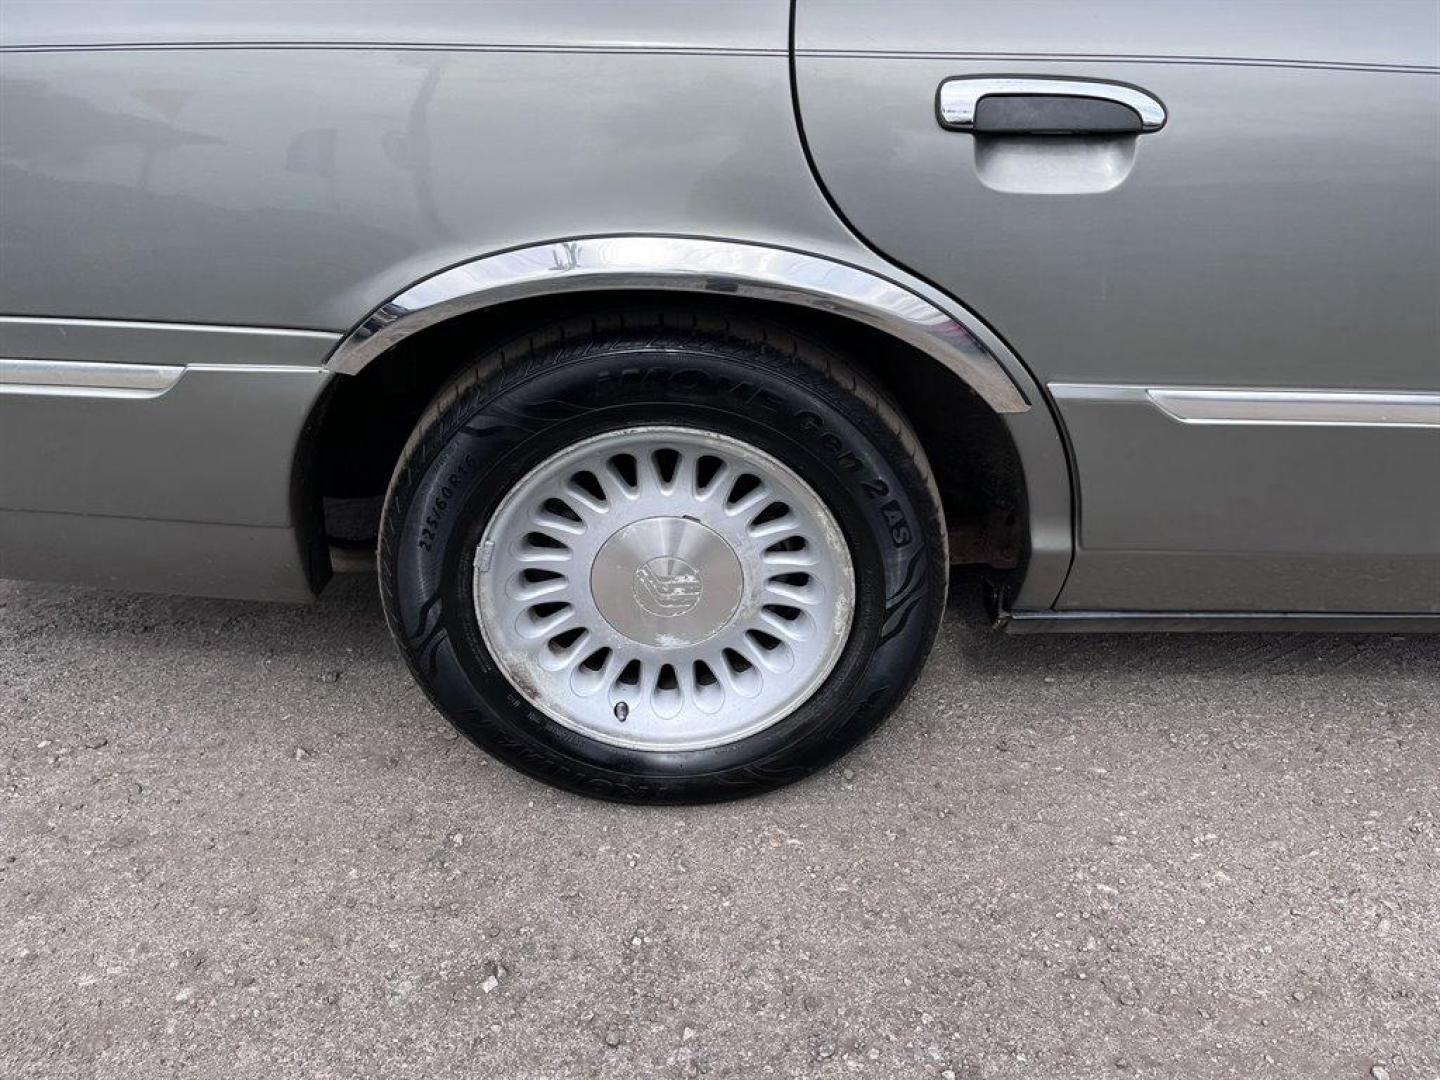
(369, 416)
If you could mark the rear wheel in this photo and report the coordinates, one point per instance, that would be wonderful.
(663, 561)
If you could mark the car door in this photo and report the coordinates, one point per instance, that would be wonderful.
(1234, 304)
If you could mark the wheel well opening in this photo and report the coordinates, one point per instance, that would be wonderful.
(370, 415)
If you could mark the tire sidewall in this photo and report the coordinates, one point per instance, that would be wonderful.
(495, 431)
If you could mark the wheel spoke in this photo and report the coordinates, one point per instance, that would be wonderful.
(796, 627)
(806, 594)
(530, 592)
(538, 622)
(748, 501)
(586, 497)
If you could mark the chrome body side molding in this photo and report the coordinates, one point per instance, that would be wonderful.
(76, 378)
(1117, 622)
(1347, 408)
(120, 358)
(681, 264)
(128, 341)
(1334, 408)
(81, 378)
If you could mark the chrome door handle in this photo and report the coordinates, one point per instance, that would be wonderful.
(1015, 105)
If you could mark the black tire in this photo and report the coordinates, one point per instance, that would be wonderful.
(791, 397)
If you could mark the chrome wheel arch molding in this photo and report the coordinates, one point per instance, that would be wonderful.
(880, 296)
(689, 265)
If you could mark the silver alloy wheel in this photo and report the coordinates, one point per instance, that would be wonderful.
(664, 588)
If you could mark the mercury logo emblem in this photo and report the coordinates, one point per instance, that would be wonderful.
(667, 586)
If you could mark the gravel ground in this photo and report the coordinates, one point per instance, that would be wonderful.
(235, 841)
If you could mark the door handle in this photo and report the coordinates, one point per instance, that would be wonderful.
(1014, 105)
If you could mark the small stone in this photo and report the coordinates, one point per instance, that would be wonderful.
(330, 676)
(1379, 1072)
(847, 774)
(185, 995)
(301, 753)
(687, 1034)
(613, 1039)
(492, 971)
(95, 742)
(825, 1051)
(1299, 995)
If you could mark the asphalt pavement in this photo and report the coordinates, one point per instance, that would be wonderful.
(236, 841)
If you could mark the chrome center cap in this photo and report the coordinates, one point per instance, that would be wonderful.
(667, 581)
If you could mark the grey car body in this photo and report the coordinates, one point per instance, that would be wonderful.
(1213, 347)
